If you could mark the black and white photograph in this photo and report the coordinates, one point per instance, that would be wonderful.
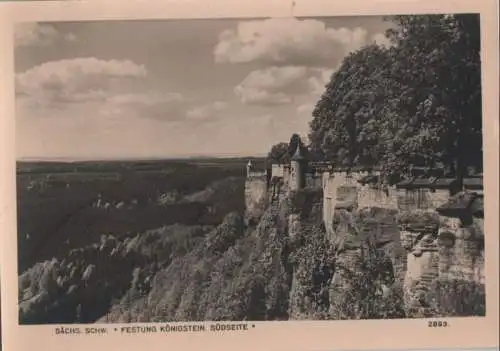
(250, 169)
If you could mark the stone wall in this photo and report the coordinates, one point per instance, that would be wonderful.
(373, 196)
(314, 180)
(341, 191)
(347, 197)
(421, 198)
(277, 170)
(330, 185)
(256, 196)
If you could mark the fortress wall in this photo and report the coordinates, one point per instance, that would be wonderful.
(369, 196)
(421, 198)
(439, 197)
(277, 170)
(347, 197)
(314, 180)
(330, 199)
(437, 249)
(255, 195)
(286, 176)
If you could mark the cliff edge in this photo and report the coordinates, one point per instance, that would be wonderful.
(284, 264)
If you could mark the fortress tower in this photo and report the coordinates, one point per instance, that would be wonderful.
(297, 169)
(249, 167)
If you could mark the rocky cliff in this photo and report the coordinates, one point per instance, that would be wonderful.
(445, 258)
(373, 263)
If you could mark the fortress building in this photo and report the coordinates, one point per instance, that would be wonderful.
(297, 170)
(430, 229)
(352, 188)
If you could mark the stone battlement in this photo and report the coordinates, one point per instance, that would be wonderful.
(357, 187)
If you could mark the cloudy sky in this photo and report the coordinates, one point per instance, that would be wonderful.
(139, 89)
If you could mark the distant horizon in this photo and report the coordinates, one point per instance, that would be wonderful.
(131, 158)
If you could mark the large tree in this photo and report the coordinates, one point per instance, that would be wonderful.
(417, 102)
(438, 69)
(283, 152)
(278, 153)
(345, 121)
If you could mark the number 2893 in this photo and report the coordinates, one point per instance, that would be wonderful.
(437, 324)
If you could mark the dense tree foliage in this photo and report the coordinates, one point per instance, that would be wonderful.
(278, 153)
(283, 152)
(416, 102)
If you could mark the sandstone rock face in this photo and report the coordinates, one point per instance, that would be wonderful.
(37, 284)
(312, 260)
(368, 261)
(347, 197)
(294, 226)
(80, 287)
(419, 238)
(255, 197)
(292, 264)
(445, 260)
(461, 289)
(347, 264)
(461, 250)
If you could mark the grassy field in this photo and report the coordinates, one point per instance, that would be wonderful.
(57, 201)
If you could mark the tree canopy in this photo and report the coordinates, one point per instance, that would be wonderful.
(416, 102)
(282, 152)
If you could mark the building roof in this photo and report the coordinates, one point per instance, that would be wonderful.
(369, 179)
(359, 168)
(297, 156)
(445, 182)
(427, 171)
(405, 183)
(462, 203)
(423, 182)
(426, 182)
(477, 207)
(475, 183)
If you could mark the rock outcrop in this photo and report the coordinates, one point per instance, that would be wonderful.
(282, 264)
(367, 269)
(82, 286)
(256, 197)
(311, 258)
(419, 237)
(445, 258)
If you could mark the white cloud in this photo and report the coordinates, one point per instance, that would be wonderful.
(37, 34)
(288, 41)
(163, 107)
(107, 88)
(280, 85)
(75, 80)
(144, 99)
(206, 112)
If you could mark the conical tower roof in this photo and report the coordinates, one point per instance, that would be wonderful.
(297, 156)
